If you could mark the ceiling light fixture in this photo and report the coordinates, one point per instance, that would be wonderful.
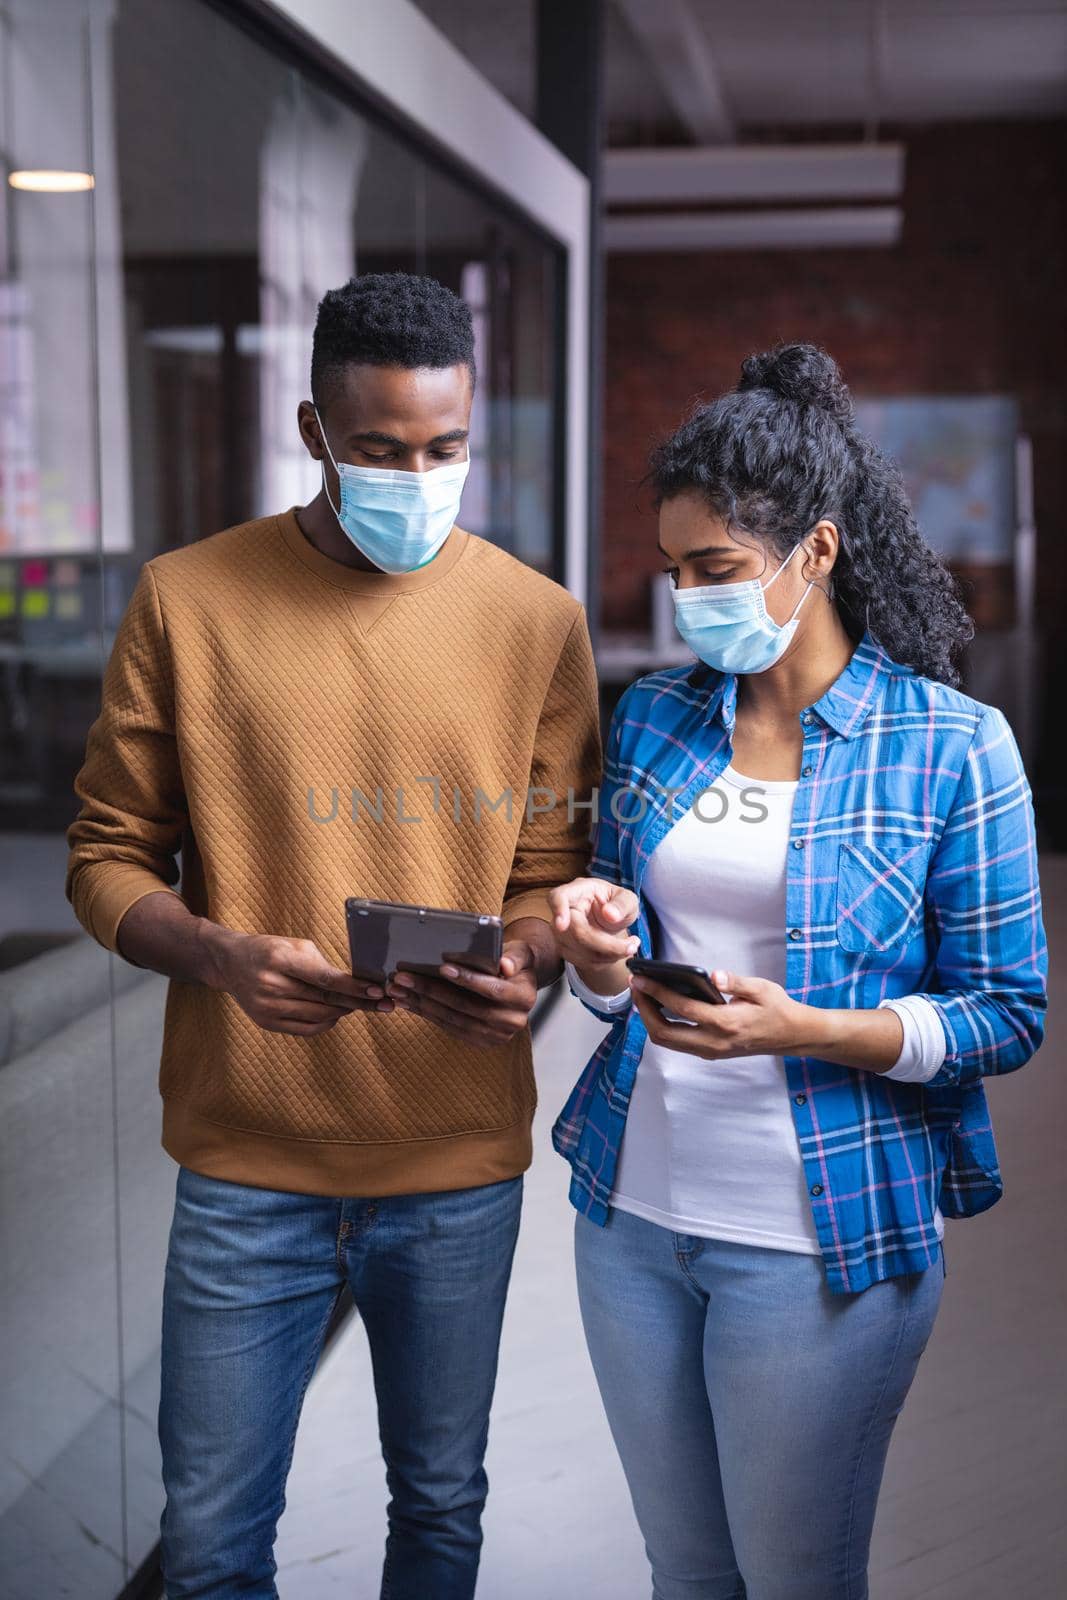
(757, 174)
(810, 228)
(50, 180)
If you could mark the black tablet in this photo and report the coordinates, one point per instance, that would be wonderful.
(386, 936)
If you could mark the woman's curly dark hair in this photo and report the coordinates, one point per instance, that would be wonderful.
(781, 451)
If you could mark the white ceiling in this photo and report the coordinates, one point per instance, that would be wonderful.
(805, 63)
(937, 60)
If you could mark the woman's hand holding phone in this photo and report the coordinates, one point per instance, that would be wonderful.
(760, 1018)
(590, 921)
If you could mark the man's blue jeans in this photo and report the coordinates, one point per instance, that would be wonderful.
(751, 1407)
(252, 1277)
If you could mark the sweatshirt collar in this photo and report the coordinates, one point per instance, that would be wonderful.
(357, 579)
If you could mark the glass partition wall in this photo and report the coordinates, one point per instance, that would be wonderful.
(178, 194)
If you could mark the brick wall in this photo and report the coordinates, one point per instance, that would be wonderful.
(973, 300)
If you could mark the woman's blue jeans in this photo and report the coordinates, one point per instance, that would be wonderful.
(751, 1406)
(252, 1277)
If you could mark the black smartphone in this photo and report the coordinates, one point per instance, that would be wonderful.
(388, 936)
(692, 982)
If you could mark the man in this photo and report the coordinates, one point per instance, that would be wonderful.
(284, 699)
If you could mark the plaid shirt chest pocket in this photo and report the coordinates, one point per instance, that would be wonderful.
(881, 892)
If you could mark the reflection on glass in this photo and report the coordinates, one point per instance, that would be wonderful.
(155, 341)
(61, 1463)
(508, 277)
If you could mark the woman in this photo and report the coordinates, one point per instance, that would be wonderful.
(814, 814)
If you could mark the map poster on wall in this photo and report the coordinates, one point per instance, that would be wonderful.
(957, 455)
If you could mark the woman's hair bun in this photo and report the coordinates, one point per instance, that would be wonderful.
(802, 373)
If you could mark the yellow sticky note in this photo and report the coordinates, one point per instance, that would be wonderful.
(35, 602)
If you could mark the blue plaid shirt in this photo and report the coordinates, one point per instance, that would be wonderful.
(912, 870)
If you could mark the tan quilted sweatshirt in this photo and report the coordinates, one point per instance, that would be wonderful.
(254, 684)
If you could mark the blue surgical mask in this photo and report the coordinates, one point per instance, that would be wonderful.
(398, 519)
(727, 626)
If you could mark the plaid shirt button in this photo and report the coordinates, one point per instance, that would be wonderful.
(795, 933)
(801, 1099)
(806, 772)
(816, 1188)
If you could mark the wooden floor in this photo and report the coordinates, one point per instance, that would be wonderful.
(974, 1502)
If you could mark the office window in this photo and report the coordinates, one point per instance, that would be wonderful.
(155, 340)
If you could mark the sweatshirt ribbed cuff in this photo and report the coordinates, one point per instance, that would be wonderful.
(112, 888)
(529, 903)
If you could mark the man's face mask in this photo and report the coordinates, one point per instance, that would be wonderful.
(398, 519)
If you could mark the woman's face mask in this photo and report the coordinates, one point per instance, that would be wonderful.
(727, 625)
(398, 519)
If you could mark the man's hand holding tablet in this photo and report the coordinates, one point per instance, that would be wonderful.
(483, 1008)
(454, 969)
(287, 985)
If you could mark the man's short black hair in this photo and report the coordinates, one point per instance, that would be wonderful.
(389, 319)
